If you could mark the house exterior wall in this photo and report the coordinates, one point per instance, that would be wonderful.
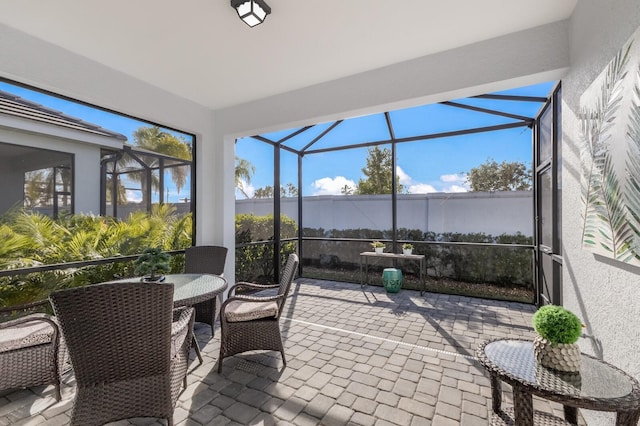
(507, 212)
(33, 61)
(12, 186)
(602, 292)
(86, 164)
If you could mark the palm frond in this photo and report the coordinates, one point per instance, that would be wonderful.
(595, 124)
(617, 234)
(592, 207)
(46, 234)
(632, 193)
(111, 242)
(597, 121)
(180, 233)
(81, 246)
(15, 250)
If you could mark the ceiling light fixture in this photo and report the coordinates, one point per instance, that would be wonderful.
(252, 12)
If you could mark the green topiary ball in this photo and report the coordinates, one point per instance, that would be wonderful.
(557, 324)
(152, 261)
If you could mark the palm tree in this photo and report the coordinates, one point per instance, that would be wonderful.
(157, 140)
(243, 172)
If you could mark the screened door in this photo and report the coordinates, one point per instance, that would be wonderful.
(547, 190)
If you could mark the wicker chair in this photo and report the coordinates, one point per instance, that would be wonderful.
(31, 352)
(128, 348)
(252, 322)
(205, 260)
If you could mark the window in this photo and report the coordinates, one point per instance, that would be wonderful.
(39, 180)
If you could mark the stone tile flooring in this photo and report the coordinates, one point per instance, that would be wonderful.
(355, 357)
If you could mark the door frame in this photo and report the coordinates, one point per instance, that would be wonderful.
(548, 284)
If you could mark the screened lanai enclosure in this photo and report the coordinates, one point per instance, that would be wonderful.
(142, 174)
(462, 181)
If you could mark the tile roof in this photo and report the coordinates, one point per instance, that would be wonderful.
(16, 106)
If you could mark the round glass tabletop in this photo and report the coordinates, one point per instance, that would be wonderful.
(596, 380)
(192, 288)
(189, 289)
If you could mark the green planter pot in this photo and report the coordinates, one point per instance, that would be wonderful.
(392, 280)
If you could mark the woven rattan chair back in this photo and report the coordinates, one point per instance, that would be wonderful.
(119, 341)
(32, 352)
(205, 260)
(290, 269)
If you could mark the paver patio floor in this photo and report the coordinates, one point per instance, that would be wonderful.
(354, 356)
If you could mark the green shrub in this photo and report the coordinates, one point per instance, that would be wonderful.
(503, 266)
(557, 324)
(32, 239)
(254, 262)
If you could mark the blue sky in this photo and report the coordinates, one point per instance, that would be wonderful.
(436, 165)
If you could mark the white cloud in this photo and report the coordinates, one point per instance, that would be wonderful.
(457, 182)
(133, 196)
(405, 179)
(248, 189)
(454, 182)
(421, 188)
(456, 188)
(331, 186)
(455, 177)
(412, 186)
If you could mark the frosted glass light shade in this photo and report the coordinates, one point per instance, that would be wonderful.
(252, 12)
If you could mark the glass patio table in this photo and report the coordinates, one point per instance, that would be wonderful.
(597, 386)
(189, 289)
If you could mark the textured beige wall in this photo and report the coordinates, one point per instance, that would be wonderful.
(604, 293)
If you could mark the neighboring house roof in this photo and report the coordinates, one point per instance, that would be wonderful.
(16, 106)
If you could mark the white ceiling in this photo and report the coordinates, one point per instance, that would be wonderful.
(200, 50)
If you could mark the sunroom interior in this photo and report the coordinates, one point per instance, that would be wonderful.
(316, 62)
(476, 123)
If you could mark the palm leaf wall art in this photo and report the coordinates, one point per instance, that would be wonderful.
(610, 159)
(632, 194)
(598, 175)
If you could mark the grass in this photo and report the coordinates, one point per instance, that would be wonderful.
(434, 285)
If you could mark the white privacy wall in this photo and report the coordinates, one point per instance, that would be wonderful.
(604, 293)
(497, 213)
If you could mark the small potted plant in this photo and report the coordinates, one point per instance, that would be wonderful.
(378, 246)
(558, 330)
(407, 249)
(152, 263)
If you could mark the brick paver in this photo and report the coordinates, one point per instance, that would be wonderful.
(354, 356)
